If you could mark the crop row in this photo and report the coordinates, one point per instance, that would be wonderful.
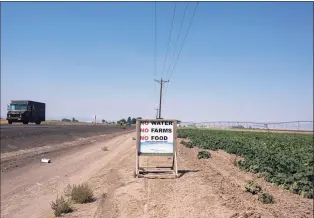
(285, 160)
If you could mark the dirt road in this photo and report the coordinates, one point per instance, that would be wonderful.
(206, 188)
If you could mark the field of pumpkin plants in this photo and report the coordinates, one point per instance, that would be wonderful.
(283, 159)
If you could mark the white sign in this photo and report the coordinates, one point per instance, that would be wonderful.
(156, 137)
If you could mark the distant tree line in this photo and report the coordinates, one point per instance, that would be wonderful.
(68, 120)
(123, 121)
(107, 122)
(128, 120)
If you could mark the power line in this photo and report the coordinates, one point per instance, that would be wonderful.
(174, 12)
(184, 40)
(155, 72)
(175, 46)
(155, 42)
(181, 46)
(172, 57)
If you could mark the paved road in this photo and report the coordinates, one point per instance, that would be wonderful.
(7, 126)
(16, 137)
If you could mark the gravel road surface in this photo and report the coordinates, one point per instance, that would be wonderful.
(17, 137)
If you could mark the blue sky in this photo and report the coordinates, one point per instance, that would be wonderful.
(241, 61)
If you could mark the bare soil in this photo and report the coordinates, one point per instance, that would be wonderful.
(206, 188)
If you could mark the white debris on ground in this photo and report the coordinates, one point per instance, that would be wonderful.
(45, 160)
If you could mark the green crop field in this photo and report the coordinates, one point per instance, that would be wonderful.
(283, 159)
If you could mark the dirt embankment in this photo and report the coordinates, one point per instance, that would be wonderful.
(206, 188)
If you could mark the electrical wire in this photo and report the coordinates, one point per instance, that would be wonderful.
(175, 64)
(175, 46)
(183, 41)
(155, 71)
(155, 42)
(174, 12)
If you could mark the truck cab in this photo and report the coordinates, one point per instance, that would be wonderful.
(25, 111)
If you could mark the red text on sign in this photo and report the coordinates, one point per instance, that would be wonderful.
(144, 138)
(144, 130)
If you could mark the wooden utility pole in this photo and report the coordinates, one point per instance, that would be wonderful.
(157, 109)
(161, 82)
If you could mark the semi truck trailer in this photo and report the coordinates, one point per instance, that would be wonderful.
(25, 111)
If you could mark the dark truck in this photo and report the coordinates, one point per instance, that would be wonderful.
(25, 112)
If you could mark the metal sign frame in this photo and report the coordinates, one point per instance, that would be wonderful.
(140, 170)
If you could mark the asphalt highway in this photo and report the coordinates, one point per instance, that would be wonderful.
(16, 137)
(7, 126)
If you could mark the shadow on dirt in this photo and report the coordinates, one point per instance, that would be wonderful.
(162, 175)
(183, 172)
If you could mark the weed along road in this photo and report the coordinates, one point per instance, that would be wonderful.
(212, 187)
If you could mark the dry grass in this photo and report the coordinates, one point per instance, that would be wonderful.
(80, 194)
(75, 194)
(61, 206)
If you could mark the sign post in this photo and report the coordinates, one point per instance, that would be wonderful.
(156, 137)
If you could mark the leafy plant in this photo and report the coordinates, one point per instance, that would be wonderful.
(203, 155)
(187, 144)
(252, 187)
(266, 198)
(286, 160)
(81, 193)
